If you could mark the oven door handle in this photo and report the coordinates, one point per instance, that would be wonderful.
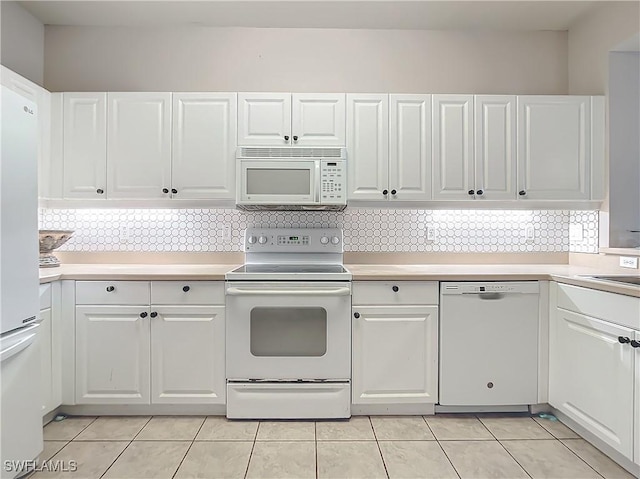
(288, 292)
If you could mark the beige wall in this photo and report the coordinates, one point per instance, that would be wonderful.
(22, 42)
(304, 60)
(590, 39)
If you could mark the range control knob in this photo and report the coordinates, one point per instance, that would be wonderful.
(324, 240)
(335, 240)
(262, 240)
(252, 240)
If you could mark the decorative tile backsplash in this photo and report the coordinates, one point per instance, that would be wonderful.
(370, 230)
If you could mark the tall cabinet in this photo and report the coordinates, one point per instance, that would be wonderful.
(204, 145)
(139, 145)
(84, 145)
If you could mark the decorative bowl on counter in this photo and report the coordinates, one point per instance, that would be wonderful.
(50, 240)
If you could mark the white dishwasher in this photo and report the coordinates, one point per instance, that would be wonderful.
(489, 343)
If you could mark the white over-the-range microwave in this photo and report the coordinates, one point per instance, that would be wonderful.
(291, 178)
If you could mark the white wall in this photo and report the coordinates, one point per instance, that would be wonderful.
(304, 60)
(591, 38)
(624, 150)
(21, 42)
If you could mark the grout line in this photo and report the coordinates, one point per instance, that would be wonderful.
(384, 464)
(579, 457)
(429, 427)
(253, 445)
(183, 458)
(448, 459)
(513, 457)
(126, 447)
(315, 445)
(485, 426)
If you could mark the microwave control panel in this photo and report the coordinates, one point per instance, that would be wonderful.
(333, 185)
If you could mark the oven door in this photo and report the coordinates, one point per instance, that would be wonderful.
(278, 182)
(288, 331)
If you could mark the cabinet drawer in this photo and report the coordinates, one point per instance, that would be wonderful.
(187, 292)
(45, 296)
(612, 307)
(384, 292)
(112, 292)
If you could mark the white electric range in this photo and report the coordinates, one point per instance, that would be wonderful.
(288, 327)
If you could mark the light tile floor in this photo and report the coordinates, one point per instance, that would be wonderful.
(406, 447)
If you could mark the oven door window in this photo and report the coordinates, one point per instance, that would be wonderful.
(288, 331)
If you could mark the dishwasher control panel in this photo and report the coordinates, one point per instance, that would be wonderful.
(523, 287)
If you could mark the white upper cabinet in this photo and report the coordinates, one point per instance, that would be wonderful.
(264, 119)
(283, 119)
(139, 145)
(84, 145)
(204, 145)
(495, 147)
(554, 147)
(367, 146)
(452, 147)
(410, 147)
(318, 119)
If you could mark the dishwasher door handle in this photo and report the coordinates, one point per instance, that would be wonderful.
(491, 296)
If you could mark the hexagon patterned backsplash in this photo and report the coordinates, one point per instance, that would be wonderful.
(369, 230)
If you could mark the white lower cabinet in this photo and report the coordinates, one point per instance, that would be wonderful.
(185, 353)
(593, 367)
(636, 412)
(47, 341)
(150, 353)
(395, 344)
(112, 354)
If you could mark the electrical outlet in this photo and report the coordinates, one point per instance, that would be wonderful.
(576, 232)
(124, 234)
(225, 232)
(529, 232)
(629, 262)
(430, 233)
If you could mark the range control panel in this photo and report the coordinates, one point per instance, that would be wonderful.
(522, 287)
(293, 240)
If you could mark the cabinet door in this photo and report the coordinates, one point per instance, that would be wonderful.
(395, 354)
(453, 147)
(139, 145)
(187, 354)
(368, 146)
(554, 147)
(44, 343)
(318, 119)
(264, 119)
(636, 412)
(84, 145)
(204, 145)
(410, 147)
(495, 147)
(591, 376)
(112, 355)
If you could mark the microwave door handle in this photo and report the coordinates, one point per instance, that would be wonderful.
(288, 292)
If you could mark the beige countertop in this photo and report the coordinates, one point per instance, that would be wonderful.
(361, 272)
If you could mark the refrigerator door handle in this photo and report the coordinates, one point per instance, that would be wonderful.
(18, 347)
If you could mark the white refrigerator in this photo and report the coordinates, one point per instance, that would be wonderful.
(20, 415)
